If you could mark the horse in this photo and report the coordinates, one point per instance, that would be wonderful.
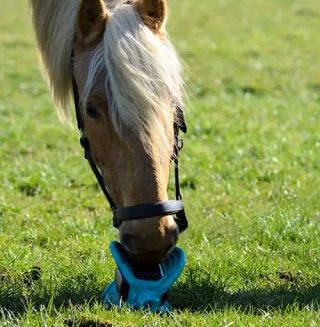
(116, 56)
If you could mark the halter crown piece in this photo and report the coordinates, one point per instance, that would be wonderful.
(139, 292)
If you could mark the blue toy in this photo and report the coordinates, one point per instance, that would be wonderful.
(139, 290)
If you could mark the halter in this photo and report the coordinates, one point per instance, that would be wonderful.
(143, 211)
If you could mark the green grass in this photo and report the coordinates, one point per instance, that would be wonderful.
(250, 175)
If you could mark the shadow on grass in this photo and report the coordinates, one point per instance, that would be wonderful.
(16, 296)
(196, 294)
(202, 295)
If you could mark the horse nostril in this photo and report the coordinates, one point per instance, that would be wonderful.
(170, 247)
(128, 241)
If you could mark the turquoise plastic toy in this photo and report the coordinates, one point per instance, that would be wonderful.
(142, 291)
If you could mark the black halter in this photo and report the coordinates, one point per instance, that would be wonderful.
(143, 211)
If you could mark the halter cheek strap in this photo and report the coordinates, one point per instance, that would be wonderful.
(144, 211)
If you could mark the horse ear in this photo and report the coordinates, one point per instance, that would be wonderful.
(153, 13)
(92, 18)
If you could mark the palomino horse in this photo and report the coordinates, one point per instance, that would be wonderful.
(127, 80)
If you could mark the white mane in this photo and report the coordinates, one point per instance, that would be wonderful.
(143, 81)
(143, 74)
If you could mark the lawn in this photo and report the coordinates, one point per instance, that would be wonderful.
(250, 177)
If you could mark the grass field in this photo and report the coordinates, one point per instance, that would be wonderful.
(250, 175)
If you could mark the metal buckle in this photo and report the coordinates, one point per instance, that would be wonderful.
(180, 144)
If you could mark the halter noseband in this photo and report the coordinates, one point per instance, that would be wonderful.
(143, 211)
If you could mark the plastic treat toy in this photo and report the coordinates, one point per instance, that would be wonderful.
(143, 286)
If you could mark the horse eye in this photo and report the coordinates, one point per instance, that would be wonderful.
(92, 111)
